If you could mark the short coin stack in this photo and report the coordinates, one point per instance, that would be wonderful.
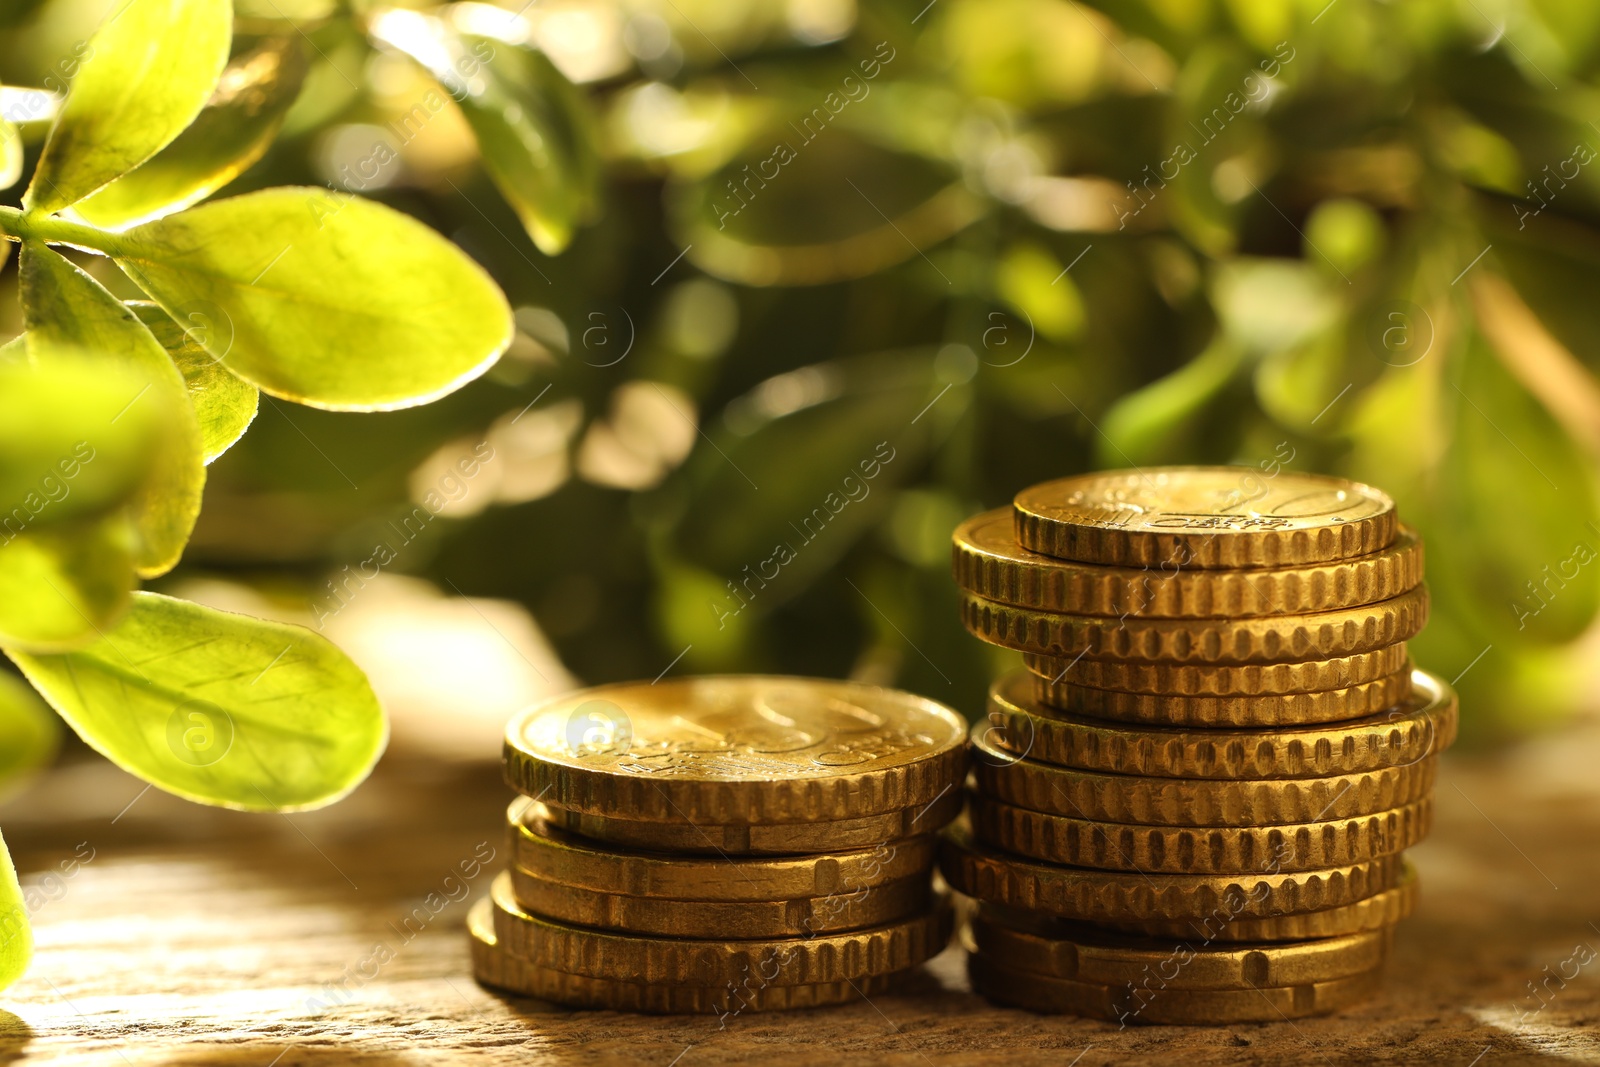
(721, 844)
(1191, 807)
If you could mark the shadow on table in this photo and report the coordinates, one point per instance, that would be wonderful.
(14, 1037)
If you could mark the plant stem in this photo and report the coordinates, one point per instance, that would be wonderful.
(17, 226)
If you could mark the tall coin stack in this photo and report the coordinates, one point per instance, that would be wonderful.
(1191, 807)
(721, 844)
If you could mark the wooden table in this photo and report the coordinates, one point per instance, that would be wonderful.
(196, 936)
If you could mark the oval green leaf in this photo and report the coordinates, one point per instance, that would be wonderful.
(217, 707)
(799, 207)
(149, 70)
(29, 732)
(69, 312)
(73, 442)
(325, 298)
(533, 127)
(16, 937)
(224, 403)
(864, 426)
(1535, 581)
(236, 126)
(60, 585)
(10, 154)
(1175, 418)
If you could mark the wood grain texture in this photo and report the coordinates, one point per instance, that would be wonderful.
(196, 936)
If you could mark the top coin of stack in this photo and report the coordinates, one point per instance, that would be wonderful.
(1220, 739)
(721, 844)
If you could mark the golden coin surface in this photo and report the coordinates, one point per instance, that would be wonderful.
(1086, 953)
(988, 562)
(1276, 710)
(1199, 849)
(1156, 801)
(1221, 679)
(1374, 913)
(773, 839)
(735, 749)
(554, 855)
(1204, 517)
(807, 960)
(1265, 639)
(995, 877)
(720, 920)
(493, 966)
(1421, 725)
(1166, 1006)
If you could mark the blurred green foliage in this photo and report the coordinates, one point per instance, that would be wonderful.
(995, 240)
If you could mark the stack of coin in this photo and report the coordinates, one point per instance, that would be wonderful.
(721, 844)
(1191, 806)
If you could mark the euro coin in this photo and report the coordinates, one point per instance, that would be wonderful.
(732, 839)
(1277, 710)
(995, 877)
(493, 966)
(988, 562)
(1221, 679)
(1166, 1006)
(553, 855)
(1086, 953)
(735, 749)
(1204, 517)
(807, 960)
(1199, 849)
(1374, 913)
(1263, 639)
(1421, 725)
(1158, 801)
(720, 920)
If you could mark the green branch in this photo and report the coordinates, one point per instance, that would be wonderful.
(15, 225)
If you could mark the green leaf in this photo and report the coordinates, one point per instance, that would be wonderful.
(329, 92)
(232, 132)
(1269, 305)
(330, 300)
(1531, 582)
(224, 403)
(219, 708)
(150, 68)
(1344, 233)
(1033, 281)
(1554, 264)
(63, 583)
(533, 127)
(16, 937)
(1295, 385)
(784, 211)
(29, 733)
(67, 310)
(10, 154)
(1166, 421)
(75, 449)
(73, 442)
(751, 529)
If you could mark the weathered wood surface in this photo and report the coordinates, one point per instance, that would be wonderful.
(196, 936)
